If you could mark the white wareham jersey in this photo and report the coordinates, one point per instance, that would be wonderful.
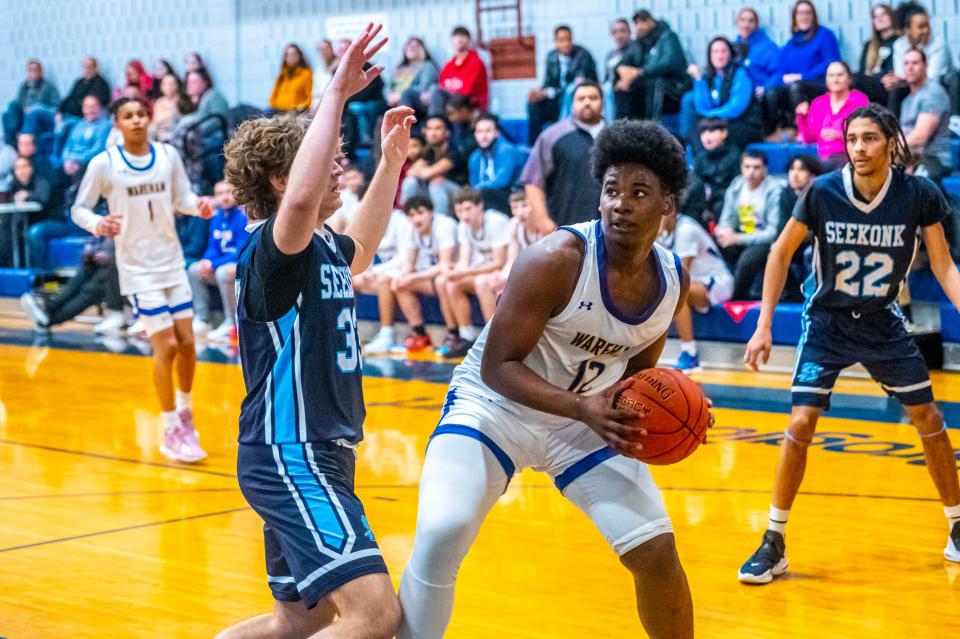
(147, 192)
(586, 347)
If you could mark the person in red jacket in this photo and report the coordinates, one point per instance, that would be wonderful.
(464, 73)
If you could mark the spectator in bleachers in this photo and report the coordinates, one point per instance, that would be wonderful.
(363, 109)
(354, 186)
(917, 34)
(194, 234)
(756, 51)
(925, 117)
(749, 221)
(567, 65)
(483, 236)
(801, 67)
(440, 171)
(716, 166)
(27, 148)
(430, 252)
(462, 117)
(209, 120)
(172, 104)
(193, 61)
(821, 121)
(33, 109)
(87, 138)
(323, 74)
(138, 83)
(161, 69)
(414, 150)
(620, 32)
(800, 173)
(554, 176)
(876, 59)
(414, 79)
(218, 266)
(30, 186)
(293, 88)
(711, 283)
(464, 73)
(8, 155)
(89, 83)
(96, 282)
(722, 89)
(653, 73)
(496, 165)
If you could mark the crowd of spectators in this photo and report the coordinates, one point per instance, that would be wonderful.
(747, 89)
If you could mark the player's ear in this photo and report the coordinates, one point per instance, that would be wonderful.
(279, 184)
(669, 205)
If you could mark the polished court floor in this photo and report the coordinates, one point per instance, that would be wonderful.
(100, 536)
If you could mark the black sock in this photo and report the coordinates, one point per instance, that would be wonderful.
(453, 332)
(419, 331)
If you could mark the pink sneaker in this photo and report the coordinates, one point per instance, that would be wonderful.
(190, 450)
(172, 444)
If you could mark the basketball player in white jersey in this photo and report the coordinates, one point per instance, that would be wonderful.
(484, 239)
(377, 279)
(584, 308)
(146, 186)
(711, 282)
(430, 251)
(526, 228)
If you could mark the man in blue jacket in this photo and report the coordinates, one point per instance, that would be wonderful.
(567, 65)
(758, 53)
(87, 138)
(496, 165)
(218, 266)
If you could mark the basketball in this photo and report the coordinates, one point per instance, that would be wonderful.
(675, 414)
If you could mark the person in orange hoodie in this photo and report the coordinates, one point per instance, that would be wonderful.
(293, 88)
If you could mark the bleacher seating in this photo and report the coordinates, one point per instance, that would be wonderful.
(779, 153)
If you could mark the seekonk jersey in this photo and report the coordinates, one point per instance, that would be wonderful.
(863, 252)
(586, 347)
(147, 191)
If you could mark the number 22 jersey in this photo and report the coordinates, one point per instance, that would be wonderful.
(863, 251)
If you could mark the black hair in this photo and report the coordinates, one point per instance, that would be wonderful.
(710, 72)
(417, 202)
(562, 27)
(204, 75)
(588, 83)
(419, 138)
(906, 12)
(642, 16)
(923, 56)
(889, 128)
(712, 124)
(442, 118)
(489, 117)
(646, 143)
(808, 162)
(117, 104)
(460, 30)
(756, 154)
(459, 101)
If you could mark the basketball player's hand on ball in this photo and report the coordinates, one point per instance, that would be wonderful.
(395, 135)
(758, 348)
(204, 210)
(351, 76)
(599, 414)
(108, 226)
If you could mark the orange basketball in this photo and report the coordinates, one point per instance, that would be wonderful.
(675, 414)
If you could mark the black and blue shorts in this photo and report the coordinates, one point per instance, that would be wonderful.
(833, 340)
(315, 533)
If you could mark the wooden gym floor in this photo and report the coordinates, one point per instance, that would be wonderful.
(100, 536)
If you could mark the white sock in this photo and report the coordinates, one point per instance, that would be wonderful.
(183, 401)
(778, 520)
(690, 348)
(469, 333)
(953, 514)
(387, 331)
(171, 421)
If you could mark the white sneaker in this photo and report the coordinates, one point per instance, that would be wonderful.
(112, 323)
(952, 551)
(34, 311)
(201, 327)
(222, 333)
(381, 343)
(137, 329)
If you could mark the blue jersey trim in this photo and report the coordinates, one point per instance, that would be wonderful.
(582, 467)
(448, 402)
(456, 429)
(605, 292)
(153, 158)
(575, 232)
(181, 307)
(150, 312)
(679, 265)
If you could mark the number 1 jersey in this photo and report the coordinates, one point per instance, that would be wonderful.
(863, 251)
(298, 341)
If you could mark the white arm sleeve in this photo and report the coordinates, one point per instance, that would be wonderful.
(95, 183)
(184, 199)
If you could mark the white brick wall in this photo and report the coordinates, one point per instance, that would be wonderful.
(242, 40)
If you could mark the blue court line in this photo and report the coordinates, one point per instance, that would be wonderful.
(748, 398)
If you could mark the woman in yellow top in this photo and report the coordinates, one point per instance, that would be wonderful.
(293, 88)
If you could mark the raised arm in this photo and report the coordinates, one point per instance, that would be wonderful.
(310, 172)
(370, 223)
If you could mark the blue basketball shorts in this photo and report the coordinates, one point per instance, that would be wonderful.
(833, 340)
(315, 533)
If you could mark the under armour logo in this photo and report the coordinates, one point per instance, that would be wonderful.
(586, 305)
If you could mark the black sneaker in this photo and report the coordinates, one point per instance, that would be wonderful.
(952, 551)
(459, 348)
(768, 562)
